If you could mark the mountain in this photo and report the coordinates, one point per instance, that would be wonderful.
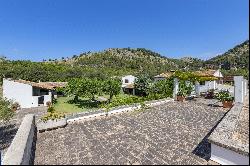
(134, 61)
(122, 61)
(235, 58)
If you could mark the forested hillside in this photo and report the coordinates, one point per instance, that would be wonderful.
(235, 61)
(237, 57)
(122, 61)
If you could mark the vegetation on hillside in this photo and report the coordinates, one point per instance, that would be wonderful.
(233, 62)
(119, 62)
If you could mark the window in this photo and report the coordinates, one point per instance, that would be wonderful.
(126, 81)
(202, 83)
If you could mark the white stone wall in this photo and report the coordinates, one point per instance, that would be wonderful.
(47, 98)
(208, 85)
(34, 101)
(18, 92)
(130, 78)
(227, 157)
(239, 89)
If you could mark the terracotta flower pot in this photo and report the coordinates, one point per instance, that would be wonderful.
(227, 104)
(180, 98)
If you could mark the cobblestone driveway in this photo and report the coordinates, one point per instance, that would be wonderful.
(167, 134)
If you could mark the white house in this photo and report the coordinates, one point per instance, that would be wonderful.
(127, 80)
(128, 84)
(29, 94)
(206, 85)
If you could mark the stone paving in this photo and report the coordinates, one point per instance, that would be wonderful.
(241, 133)
(8, 130)
(167, 134)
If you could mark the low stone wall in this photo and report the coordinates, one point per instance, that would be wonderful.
(118, 110)
(224, 148)
(20, 150)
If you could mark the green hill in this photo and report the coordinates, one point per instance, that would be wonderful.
(233, 62)
(121, 61)
(237, 57)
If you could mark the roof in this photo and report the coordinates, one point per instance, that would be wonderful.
(164, 75)
(43, 85)
(54, 84)
(228, 78)
(205, 73)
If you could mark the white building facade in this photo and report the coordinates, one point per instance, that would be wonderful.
(127, 80)
(213, 84)
(27, 94)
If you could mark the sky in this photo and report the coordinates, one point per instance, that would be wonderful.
(43, 29)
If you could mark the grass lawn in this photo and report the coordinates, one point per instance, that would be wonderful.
(65, 104)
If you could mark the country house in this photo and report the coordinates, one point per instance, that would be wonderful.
(30, 94)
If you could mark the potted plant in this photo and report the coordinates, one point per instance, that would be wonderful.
(183, 91)
(15, 106)
(181, 96)
(209, 94)
(225, 98)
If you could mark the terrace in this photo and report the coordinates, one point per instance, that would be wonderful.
(172, 133)
(168, 132)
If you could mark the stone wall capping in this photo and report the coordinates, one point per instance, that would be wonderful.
(20, 150)
(222, 135)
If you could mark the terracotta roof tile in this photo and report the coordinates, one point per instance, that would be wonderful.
(205, 73)
(44, 85)
(164, 75)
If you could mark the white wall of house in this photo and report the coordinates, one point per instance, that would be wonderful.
(208, 85)
(129, 78)
(18, 92)
(227, 157)
(217, 73)
(47, 98)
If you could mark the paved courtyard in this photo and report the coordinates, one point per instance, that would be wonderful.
(172, 133)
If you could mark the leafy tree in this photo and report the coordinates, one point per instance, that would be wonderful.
(142, 84)
(112, 87)
(93, 87)
(165, 87)
(84, 87)
(74, 88)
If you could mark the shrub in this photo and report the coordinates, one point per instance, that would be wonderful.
(224, 95)
(51, 110)
(119, 101)
(52, 116)
(5, 110)
(142, 85)
(184, 89)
